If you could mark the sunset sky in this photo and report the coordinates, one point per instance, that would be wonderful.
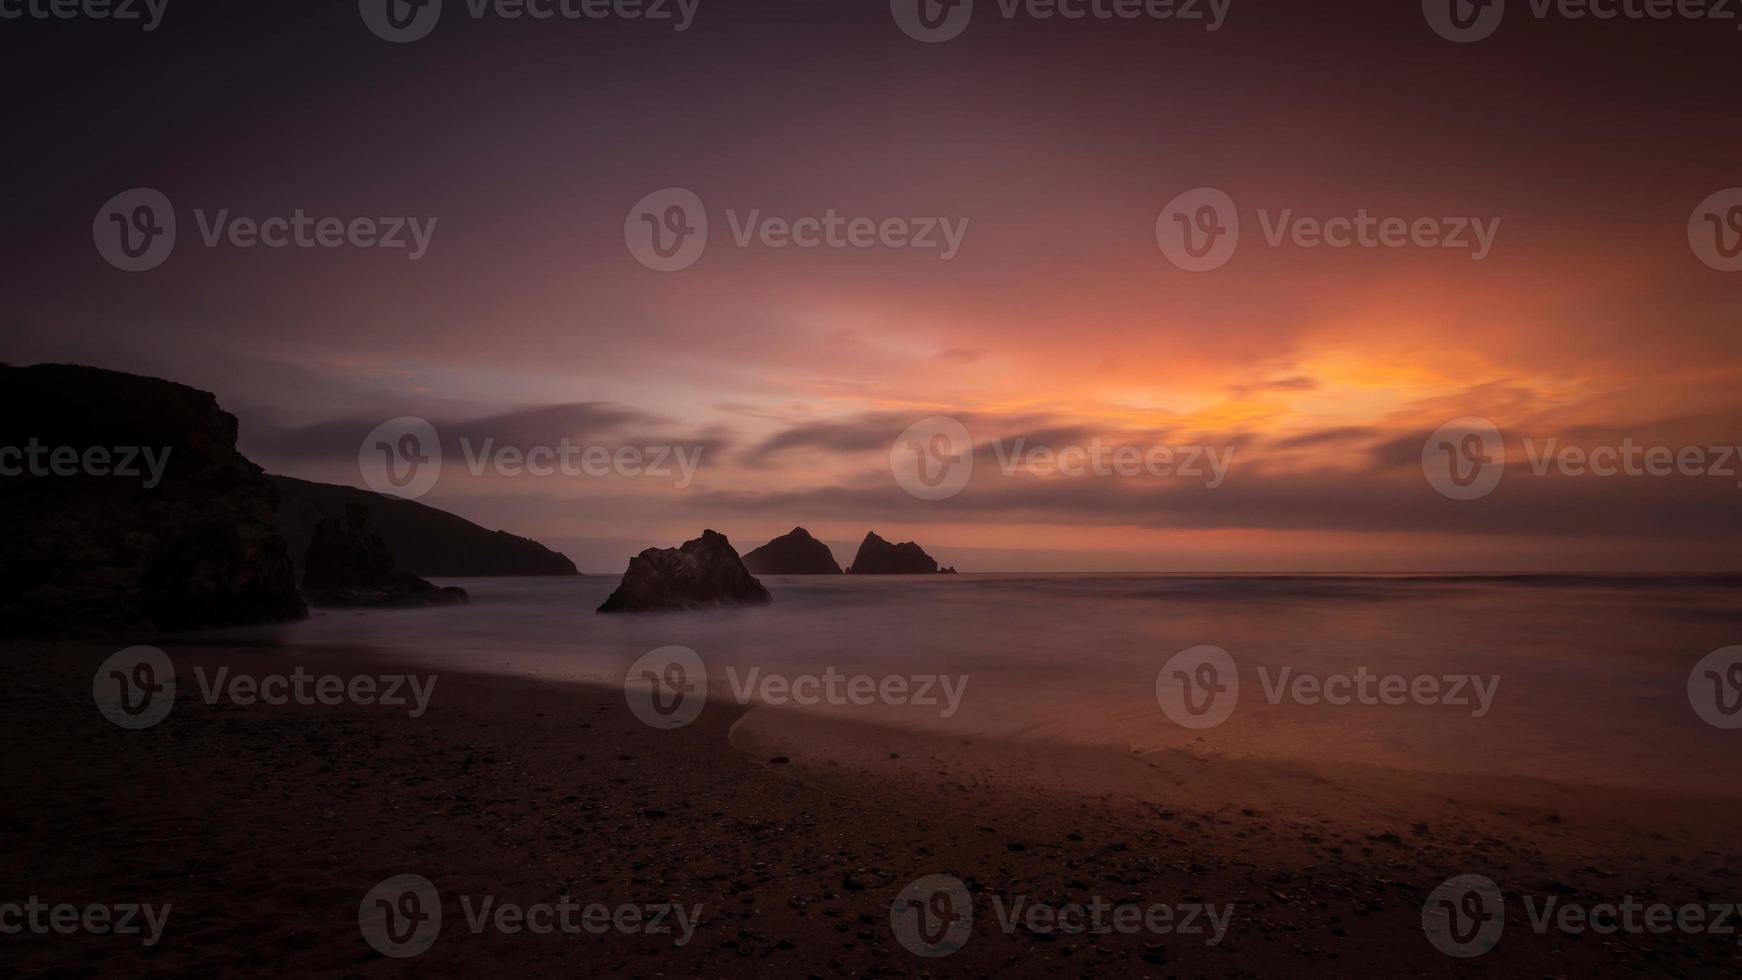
(1060, 142)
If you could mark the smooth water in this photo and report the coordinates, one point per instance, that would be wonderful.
(1593, 673)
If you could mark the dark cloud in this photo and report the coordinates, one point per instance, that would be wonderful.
(1296, 383)
(1524, 505)
(1322, 437)
(583, 422)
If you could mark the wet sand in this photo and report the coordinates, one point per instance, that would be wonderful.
(264, 827)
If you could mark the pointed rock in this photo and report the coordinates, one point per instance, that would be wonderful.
(793, 553)
(705, 572)
(879, 557)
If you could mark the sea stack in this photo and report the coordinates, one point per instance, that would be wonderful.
(703, 573)
(348, 565)
(879, 557)
(793, 553)
(138, 514)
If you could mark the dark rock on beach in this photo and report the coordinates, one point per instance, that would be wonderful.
(793, 553)
(349, 565)
(705, 572)
(137, 513)
(424, 540)
(879, 557)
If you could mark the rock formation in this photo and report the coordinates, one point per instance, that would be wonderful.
(878, 557)
(348, 565)
(793, 553)
(125, 507)
(423, 540)
(703, 573)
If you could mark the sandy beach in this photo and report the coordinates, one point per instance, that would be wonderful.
(264, 827)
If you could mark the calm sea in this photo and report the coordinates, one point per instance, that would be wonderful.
(1588, 677)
